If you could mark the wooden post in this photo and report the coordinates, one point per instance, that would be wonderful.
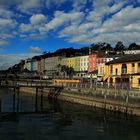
(14, 98)
(36, 100)
(127, 97)
(0, 105)
(17, 99)
(105, 100)
(41, 103)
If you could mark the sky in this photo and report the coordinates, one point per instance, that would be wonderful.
(30, 27)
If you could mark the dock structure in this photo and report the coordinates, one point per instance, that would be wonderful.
(54, 90)
(33, 84)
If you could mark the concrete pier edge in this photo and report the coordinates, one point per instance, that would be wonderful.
(99, 103)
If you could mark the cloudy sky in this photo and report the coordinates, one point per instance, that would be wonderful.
(33, 26)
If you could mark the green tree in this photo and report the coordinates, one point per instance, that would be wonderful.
(67, 71)
(70, 72)
(134, 46)
(107, 47)
(119, 46)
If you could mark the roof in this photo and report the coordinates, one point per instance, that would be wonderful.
(126, 58)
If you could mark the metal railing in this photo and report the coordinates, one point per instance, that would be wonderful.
(118, 92)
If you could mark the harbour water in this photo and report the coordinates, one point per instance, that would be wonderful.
(55, 120)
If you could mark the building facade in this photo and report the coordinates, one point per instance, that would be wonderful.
(27, 64)
(92, 63)
(124, 70)
(51, 65)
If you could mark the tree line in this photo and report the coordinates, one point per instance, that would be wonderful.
(70, 52)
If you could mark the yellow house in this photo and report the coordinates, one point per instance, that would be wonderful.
(101, 72)
(124, 70)
(70, 62)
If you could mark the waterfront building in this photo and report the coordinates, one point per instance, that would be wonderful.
(42, 65)
(77, 64)
(34, 65)
(71, 62)
(125, 70)
(92, 63)
(84, 64)
(101, 65)
(51, 65)
(131, 51)
(64, 62)
(38, 64)
(27, 64)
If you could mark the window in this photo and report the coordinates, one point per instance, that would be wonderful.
(133, 64)
(124, 68)
(133, 67)
(116, 71)
(111, 69)
(139, 81)
(138, 67)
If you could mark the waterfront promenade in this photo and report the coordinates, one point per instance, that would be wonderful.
(108, 98)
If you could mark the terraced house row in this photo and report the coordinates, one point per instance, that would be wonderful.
(99, 67)
(83, 66)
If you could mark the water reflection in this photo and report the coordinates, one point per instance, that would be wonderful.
(39, 118)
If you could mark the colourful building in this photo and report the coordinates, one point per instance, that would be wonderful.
(101, 66)
(124, 70)
(84, 63)
(72, 62)
(51, 65)
(27, 64)
(92, 63)
(77, 64)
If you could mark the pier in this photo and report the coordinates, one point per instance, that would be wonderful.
(38, 87)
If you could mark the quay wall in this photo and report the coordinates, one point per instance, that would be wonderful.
(79, 96)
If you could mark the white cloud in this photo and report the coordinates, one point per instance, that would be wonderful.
(6, 13)
(7, 3)
(133, 27)
(122, 26)
(34, 49)
(7, 27)
(50, 3)
(62, 18)
(29, 6)
(38, 19)
(105, 20)
(4, 42)
(126, 37)
(25, 28)
(125, 17)
(9, 60)
(78, 4)
(82, 39)
(84, 28)
(6, 24)
(5, 36)
(116, 7)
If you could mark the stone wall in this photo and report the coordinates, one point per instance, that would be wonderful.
(78, 96)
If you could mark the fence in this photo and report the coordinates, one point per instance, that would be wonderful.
(105, 91)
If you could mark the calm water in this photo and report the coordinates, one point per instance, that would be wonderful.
(48, 120)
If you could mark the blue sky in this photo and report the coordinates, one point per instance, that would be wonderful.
(29, 27)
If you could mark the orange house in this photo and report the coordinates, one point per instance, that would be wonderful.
(92, 62)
